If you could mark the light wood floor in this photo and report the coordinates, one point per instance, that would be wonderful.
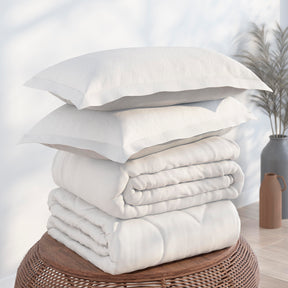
(270, 246)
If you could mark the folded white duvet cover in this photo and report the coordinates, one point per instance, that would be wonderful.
(173, 179)
(119, 246)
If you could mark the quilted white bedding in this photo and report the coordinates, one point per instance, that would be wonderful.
(119, 246)
(173, 179)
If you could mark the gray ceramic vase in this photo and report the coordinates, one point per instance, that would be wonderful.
(274, 159)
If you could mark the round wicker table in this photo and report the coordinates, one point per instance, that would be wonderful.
(50, 264)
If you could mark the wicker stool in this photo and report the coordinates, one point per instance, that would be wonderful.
(51, 264)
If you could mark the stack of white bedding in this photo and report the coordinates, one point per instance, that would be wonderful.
(151, 210)
(144, 186)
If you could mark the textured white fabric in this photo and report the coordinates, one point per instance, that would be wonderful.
(172, 179)
(119, 246)
(118, 135)
(96, 79)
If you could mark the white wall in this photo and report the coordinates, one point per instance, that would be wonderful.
(284, 13)
(35, 34)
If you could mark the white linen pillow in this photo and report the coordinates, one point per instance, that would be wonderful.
(120, 135)
(126, 78)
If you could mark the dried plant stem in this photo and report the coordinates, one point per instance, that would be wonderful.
(271, 125)
(275, 123)
(269, 61)
(280, 112)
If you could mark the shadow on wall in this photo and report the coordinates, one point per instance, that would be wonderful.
(24, 186)
(251, 137)
(36, 34)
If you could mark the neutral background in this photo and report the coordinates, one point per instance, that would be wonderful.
(35, 34)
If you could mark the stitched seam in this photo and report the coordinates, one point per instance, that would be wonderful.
(162, 237)
(185, 212)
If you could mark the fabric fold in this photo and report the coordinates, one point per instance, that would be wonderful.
(120, 246)
(177, 178)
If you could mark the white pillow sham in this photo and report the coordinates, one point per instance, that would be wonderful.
(126, 78)
(120, 135)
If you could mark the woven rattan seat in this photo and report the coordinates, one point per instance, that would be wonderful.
(50, 264)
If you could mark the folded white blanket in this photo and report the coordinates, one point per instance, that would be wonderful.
(173, 179)
(119, 246)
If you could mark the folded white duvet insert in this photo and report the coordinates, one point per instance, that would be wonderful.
(119, 246)
(173, 179)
